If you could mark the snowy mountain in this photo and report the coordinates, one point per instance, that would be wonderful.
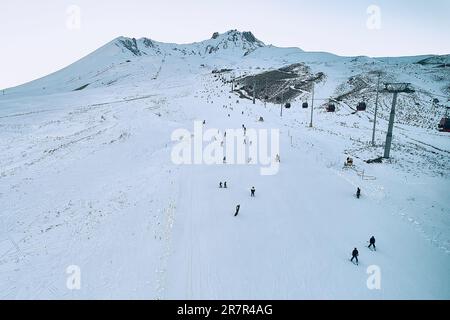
(126, 57)
(88, 181)
(231, 41)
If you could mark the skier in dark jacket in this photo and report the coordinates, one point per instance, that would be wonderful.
(220, 185)
(252, 191)
(372, 243)
(225, 184)
(355, 255)
(358, 192)
(237, 209)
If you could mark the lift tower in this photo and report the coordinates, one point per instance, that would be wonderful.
(394, 88)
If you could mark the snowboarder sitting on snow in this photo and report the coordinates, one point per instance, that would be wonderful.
(237, 209)
(220, 185)
(358, 192)
(252, 192)
(372, 243)
(355, 255)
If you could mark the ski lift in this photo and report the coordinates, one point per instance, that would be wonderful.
(361, 106)
(331, 107)
(305, 105)
(287, 105)
(348, 162)
(444, 124)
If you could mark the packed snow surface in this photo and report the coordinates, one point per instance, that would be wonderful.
(87, 179)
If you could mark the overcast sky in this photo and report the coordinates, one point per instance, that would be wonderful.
(40, 37)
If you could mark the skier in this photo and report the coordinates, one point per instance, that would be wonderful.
(355, 255)
(204, 121)
(220, 185)
(224, 159)
(277, 158)
(237, 209)
(372, 243)
(252, 192)
(358, 192)
(349, 162)
(225, 184)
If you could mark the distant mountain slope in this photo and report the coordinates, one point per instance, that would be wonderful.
(125, 61)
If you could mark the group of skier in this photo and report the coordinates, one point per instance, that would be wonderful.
(355, 252)
(349, 162)
(238, 207)
(223, 185)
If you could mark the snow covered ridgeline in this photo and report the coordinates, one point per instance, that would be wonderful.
(240, 42)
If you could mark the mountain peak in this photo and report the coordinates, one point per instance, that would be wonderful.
(235, 34)
(242, 43)
(233, 39)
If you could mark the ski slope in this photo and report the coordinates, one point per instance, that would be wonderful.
(86, 179)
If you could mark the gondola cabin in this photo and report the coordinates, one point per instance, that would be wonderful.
(305, 105)
(444, 124)
(361, 106)
(331, 107)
